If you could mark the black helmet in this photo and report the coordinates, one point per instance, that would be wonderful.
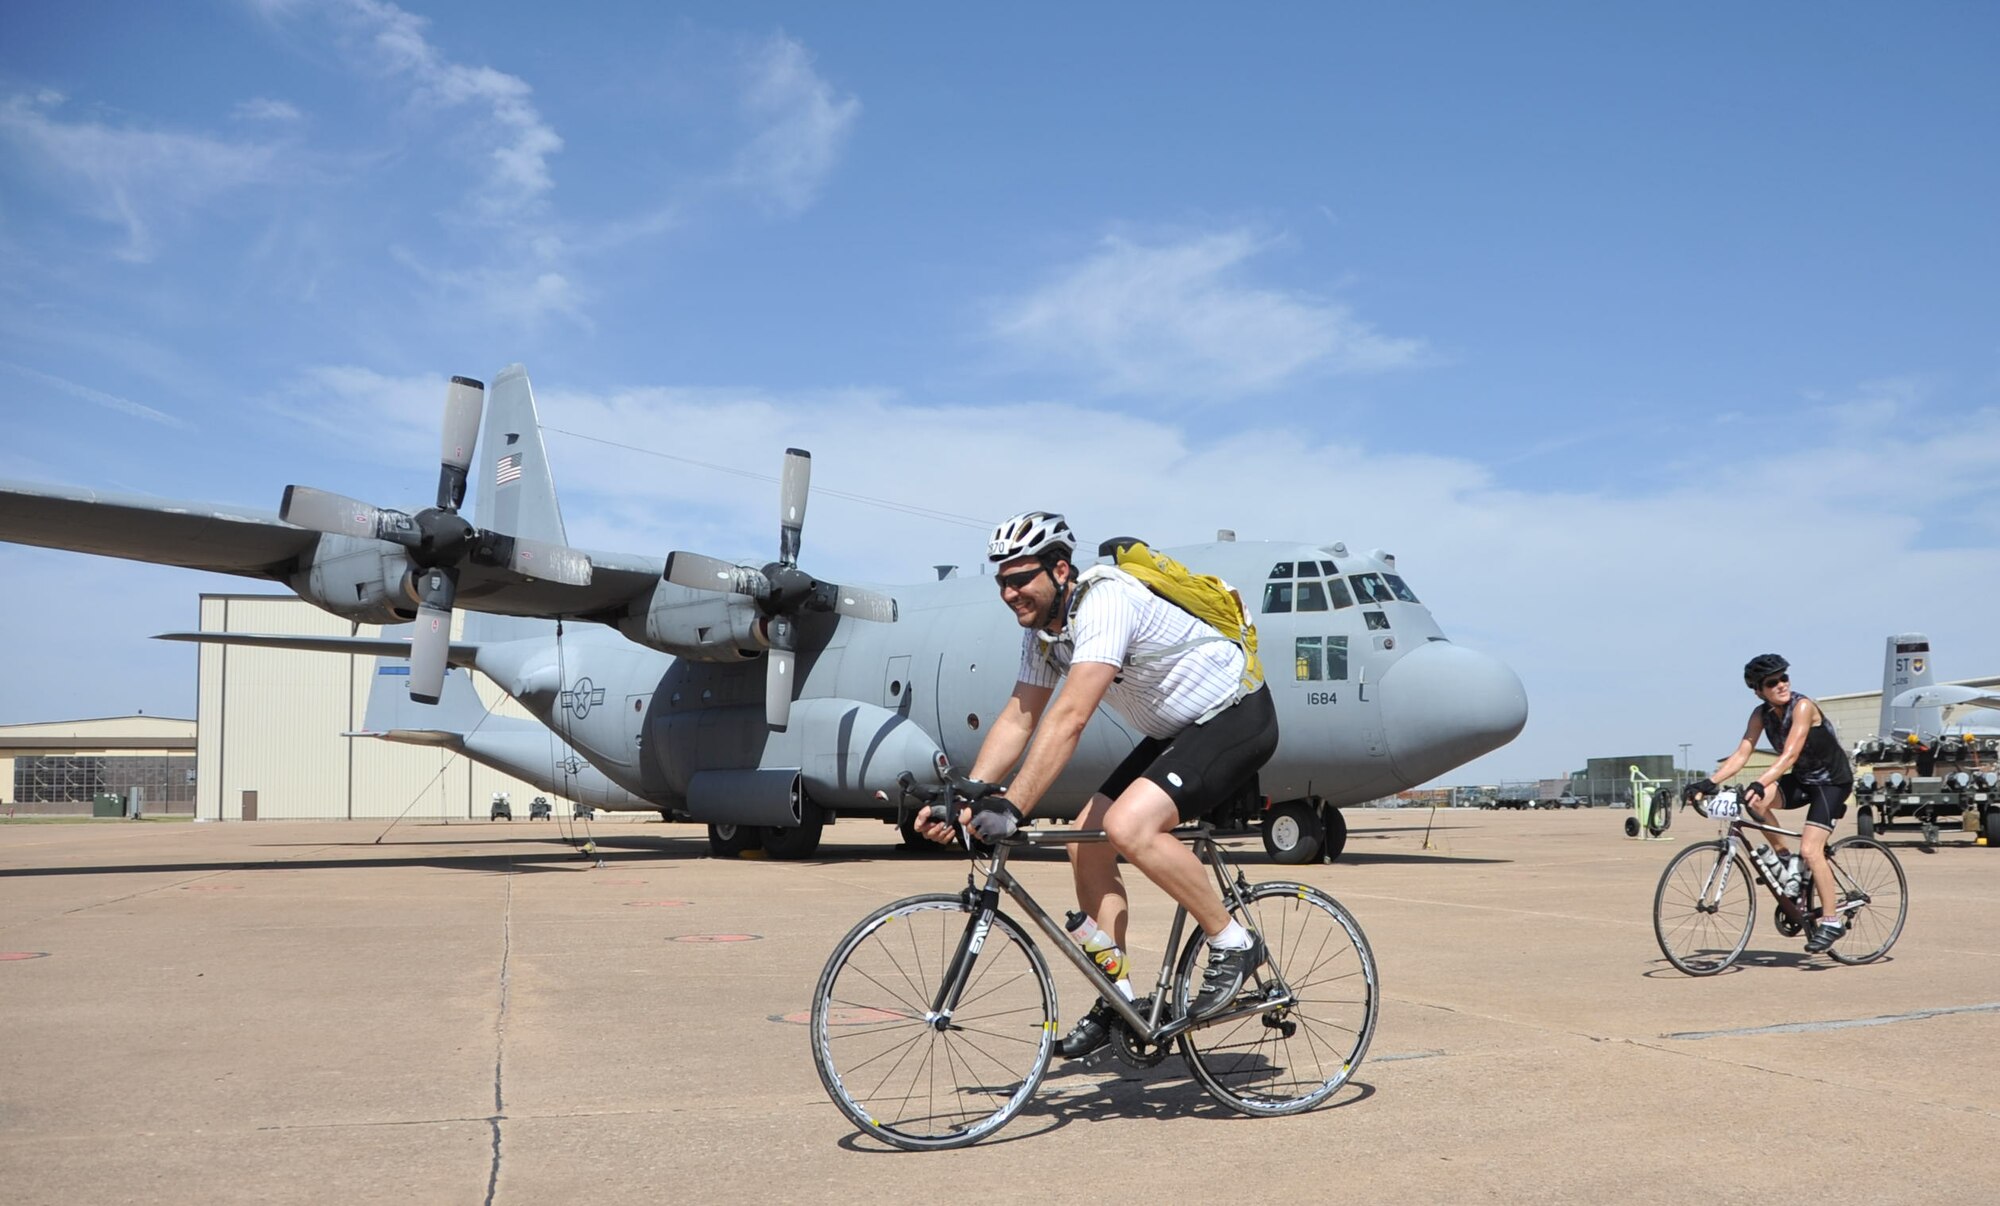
(1761, 667)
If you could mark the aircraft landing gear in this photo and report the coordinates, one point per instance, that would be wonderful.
(734, 841)
(801, 842)
(1304, 831)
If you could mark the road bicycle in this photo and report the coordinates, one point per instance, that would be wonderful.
(1705, 906)
(936, 1016)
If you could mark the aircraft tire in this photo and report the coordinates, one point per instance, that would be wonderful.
(1864, 822)
(801, 842)
(1335, 840)
(1294, 833)
(1992, 827)
(733, 841)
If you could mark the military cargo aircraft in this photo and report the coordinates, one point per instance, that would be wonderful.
(761, 701)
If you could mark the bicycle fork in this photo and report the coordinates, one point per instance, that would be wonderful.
(985, 902)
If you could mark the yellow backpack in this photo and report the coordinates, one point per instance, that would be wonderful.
(1204, 596)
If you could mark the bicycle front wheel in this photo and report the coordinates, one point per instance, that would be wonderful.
(892, 1066)
(1873, 896)
(1288, 1058)
(1704, 908)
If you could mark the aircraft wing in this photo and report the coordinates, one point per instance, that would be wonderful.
(202, 536)
(462, 654)
(1947, 696)
(257, 544)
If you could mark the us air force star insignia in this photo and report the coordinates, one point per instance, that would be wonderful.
(572, 765)
(579, 700)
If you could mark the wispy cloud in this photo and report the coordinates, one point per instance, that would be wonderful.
(264, 108)
(372, 416)
(517, 142)
(1176, 320)
(132, 177)
(95, 397)
(528, 272)
(802, 126)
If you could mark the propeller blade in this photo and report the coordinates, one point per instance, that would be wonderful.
(325, 511)
(796, 484)
(863, 604)
(464, 399)
(778, 688)
(780, 665)
(708, 573)
(436, 590)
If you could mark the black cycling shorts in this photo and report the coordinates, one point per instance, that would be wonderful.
(1827, 801)
(1204, 764)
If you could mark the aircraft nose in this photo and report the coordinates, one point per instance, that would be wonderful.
(1444, 705)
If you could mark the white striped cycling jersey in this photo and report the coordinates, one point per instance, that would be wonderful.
(1118, 620)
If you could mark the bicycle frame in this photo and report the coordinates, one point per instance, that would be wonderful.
(1147, 1028)
(1793, 907)
(1732, 832)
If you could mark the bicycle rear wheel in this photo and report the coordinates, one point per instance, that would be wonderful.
(889, 1068)
(1289, 1058)
(1704, 908)
(1873, 896)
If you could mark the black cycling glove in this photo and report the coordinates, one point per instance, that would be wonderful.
(994, 819)
(1700, 787)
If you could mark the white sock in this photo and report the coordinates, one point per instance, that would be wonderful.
(1232, 938)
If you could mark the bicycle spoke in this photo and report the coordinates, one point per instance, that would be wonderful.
(1703, 909)
(881, 1056)
(1290, 1058)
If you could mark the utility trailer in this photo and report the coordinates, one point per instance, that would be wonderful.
(1955, 778)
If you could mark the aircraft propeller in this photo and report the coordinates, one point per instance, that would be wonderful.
(781, 589)
(437, 539)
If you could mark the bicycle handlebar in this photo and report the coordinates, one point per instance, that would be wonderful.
(936, 804)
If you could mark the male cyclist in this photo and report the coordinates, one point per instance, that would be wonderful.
(1168, 674)
(1811, 772)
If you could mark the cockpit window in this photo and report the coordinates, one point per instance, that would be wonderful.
(1312, 597)
(1369, 588)
(1376, 620)
(1337, 589)
(1328, 568)
(1277, 597)
(1308, 659)
(1317, 660)
(1403, 591)
(1282, 570)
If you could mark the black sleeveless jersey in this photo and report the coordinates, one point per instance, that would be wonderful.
(1822, 760)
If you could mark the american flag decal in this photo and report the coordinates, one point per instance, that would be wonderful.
(508, 470)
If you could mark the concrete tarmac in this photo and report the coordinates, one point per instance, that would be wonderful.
(474, 1013)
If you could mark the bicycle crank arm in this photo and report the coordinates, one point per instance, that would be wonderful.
(1181, 1025)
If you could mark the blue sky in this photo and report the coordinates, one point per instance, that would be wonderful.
(1646, 337)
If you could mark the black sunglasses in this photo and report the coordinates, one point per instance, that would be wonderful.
(1019, 580)
(1774, 680)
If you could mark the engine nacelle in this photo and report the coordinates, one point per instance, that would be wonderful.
(702, 626)
(359, 580)
(841, 751)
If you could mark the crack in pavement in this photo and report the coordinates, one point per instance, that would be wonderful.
(500, 1037)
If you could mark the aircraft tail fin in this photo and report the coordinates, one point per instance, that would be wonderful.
(1906, 665)
(516, 492)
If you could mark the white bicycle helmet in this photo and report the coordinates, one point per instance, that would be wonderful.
(1030, 534)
